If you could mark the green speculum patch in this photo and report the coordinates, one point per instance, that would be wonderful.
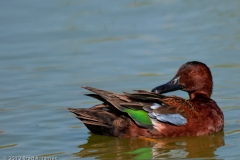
(139, 115)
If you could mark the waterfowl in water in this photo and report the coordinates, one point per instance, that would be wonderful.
(153, 115)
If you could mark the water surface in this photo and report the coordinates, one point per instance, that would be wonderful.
(48, 49)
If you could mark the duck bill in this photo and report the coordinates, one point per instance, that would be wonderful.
(172, 85)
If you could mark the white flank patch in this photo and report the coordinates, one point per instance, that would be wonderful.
(158, 126)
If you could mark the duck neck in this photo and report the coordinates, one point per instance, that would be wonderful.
(195, 94)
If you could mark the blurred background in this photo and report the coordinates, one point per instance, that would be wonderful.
(49, 49)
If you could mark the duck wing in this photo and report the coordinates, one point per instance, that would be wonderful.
(143, 107)
(114, 100)
(168, 109)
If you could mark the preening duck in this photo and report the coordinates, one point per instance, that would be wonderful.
(154, 115)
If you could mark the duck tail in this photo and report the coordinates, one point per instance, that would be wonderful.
(100, 121)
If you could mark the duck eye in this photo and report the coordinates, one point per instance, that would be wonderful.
(173, 81)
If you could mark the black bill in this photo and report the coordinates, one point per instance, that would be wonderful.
(172, 85)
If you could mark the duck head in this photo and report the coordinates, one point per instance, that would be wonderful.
(193, 77)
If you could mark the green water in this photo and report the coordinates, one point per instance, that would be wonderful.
(49, 49)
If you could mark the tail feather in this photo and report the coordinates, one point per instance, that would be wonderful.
(96, 97)
(100, 106)
(100, 121)
(95, 124)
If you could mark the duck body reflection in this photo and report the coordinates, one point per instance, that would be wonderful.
(105, 147)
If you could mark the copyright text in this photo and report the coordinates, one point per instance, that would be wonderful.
(28, 158)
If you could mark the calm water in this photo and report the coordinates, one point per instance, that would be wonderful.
(48, 49)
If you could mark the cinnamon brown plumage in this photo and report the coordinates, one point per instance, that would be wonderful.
(151, 114)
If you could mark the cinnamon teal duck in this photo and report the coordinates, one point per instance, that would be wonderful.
(154, 115)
